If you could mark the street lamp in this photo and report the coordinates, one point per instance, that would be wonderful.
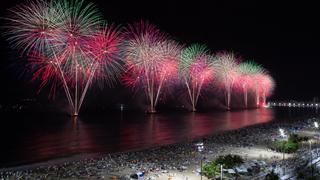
(282, 134)
(310, 156)
(200, 148)
(221, 173)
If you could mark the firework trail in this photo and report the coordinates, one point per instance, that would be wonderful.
(245, 81)
(104, 50)
(151, 60)
(258, 78)
(227, 73)
(69, 45)
(267, 85)
(196, 68)
(58, 38)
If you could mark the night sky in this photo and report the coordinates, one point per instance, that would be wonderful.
(283, 38)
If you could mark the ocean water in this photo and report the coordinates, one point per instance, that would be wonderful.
(28, 138)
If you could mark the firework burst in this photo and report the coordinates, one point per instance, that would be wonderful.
(227, 72)
(65, 41)
(196, 70)
(31, 26)
(266, 87)
(151, 60)
(245, 80)
(69, 45)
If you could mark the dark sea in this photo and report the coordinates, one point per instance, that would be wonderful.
(30, 137)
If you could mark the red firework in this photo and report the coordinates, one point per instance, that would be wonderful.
(151, 61)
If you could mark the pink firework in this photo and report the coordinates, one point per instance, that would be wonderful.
(151, 61)
(266, 87)
(45, 70)
(104, 63)
(227, 73)
(196, 67)
(65, 42)
(31, 26)
(242, 85)
(245, 80)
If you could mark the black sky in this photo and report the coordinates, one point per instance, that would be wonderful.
(284, 37)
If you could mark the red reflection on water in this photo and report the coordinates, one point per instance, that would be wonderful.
(161, 129)
(123, 133)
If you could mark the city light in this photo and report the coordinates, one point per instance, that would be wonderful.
(200, 146)
(282, 134)
(316, 125)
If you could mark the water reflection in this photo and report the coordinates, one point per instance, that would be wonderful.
(38, 139)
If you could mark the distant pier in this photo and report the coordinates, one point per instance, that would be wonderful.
(294, 104)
